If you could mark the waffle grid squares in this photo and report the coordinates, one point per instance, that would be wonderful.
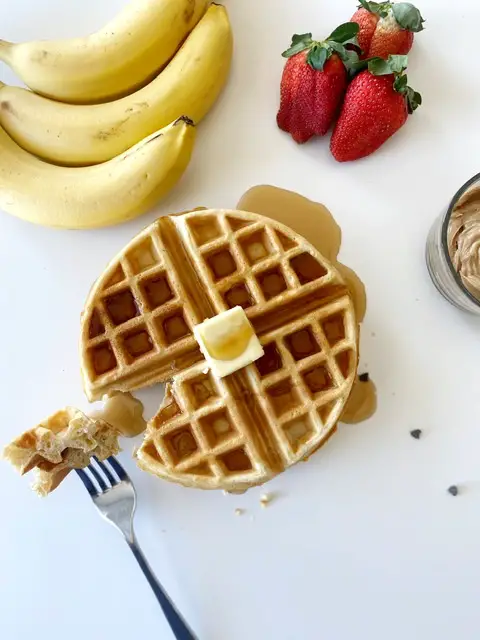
(271, 271)
(289, 397)
(145, 301)
(213, 437)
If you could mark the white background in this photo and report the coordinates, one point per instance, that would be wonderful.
(363, 542)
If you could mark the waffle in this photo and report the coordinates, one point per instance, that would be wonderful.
(65, 441)
(244, 429)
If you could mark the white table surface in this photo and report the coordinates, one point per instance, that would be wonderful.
(363, 542)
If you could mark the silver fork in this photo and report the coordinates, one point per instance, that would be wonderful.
(114, 495)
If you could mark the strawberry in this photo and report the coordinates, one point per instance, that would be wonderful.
(314, 82)
(376, 106)
(387, 28)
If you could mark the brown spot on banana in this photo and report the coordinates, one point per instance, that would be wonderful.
(6, 105)
(106, 134)
(138, 107)
(189, 10)
(40, 56)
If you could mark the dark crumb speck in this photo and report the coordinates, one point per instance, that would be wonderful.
(416, 433)
(453, 490)
(364, 377)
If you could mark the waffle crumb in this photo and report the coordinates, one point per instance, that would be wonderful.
(266, 499)
(239, 512)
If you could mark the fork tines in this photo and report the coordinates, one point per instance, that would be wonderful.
(102, 476)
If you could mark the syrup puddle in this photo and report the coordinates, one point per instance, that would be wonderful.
(124, 413)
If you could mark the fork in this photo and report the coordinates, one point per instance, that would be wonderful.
(114, 495)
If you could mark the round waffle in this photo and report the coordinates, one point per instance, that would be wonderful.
(239, 431)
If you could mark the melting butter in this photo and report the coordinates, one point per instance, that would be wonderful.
(231, 342)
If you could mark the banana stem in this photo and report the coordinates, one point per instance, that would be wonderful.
(5, 49)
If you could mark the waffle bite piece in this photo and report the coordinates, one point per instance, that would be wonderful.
(239, 431)
(64, 441)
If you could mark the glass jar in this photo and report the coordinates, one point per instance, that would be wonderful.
(439, 263)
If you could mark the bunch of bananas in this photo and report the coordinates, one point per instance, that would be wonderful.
(108, 126)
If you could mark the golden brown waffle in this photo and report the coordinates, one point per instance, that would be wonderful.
(244, 429)
(65, 441)
(240, 431)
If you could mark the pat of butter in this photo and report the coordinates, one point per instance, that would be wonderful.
(228, 342)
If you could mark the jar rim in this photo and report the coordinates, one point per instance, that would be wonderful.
(444, 239)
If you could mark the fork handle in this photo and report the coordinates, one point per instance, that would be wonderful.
(178, 625)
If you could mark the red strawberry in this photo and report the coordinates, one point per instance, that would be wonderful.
(387, 28)
(376, 106)
(314, 82)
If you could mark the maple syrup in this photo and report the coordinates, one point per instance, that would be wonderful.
(318, 379)
(182, 444)
(157, 291)
(236, 460)
(143, 257)
(117, 276)
(302, 344)
(216, 427)
(311, 220)
(283, 397)
(221, 264)
(169, 411)
(124, 413)
(271, 360)
(362, 403)
(96, 327)
(138, 344)
(121, 307)
(256, 247)
(307, 268)
(298, 431)
(239, 296)
(202, 390)
(204, 229)
(272, 283)
(175, 328)
(102, 358)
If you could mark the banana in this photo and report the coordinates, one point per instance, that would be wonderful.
(113, 62)
(98, 196)
(76, 135)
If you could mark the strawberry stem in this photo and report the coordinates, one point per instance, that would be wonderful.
(408, 17)
(396, 66)
(319, 51)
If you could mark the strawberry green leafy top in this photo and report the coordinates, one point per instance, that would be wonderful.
(319, 51)
(406, 14)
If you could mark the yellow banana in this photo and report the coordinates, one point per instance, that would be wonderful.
(98, 196)
(76, 135)
(115, 61)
